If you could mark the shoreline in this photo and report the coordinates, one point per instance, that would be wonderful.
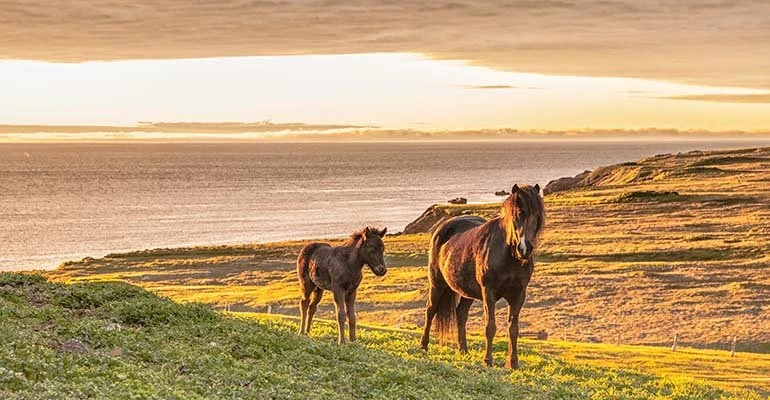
(237, 242)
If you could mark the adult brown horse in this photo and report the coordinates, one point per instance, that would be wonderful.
(472, 258)
(338, 269)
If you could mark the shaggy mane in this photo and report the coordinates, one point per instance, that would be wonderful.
(356, 236)
(528, 200)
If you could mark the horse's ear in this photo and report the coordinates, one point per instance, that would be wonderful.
(383, 232)
(515, 188)
(366, 232)
(537, 188)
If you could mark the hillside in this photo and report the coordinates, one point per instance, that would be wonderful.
(115, 340)
(632, 254)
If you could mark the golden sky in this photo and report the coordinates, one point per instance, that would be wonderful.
(528, 64)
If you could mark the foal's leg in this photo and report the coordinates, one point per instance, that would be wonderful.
(304, 302)
(430, 310)
(339, 305)
(515, 301)
(350, 305)
(463, 308)
(488, 298)
(315, 298)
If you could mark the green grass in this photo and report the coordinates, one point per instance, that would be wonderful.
(139, 345)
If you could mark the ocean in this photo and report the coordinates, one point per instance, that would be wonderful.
(66, 201)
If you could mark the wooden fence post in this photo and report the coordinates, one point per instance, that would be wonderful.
(732, 347)
(676, 341)
(269, 308)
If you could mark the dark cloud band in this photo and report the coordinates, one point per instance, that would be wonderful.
(712, 42)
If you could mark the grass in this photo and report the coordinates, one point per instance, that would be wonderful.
(634, 271)
(134, 344)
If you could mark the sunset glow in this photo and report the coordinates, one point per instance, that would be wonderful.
(384, 90)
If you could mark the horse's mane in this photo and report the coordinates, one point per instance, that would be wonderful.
(528, 200)
(356, 236)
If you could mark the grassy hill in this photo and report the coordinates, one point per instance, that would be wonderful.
(111, 339)
(632, 254)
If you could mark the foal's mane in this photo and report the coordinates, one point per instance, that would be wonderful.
(527, 200)
(356, 236)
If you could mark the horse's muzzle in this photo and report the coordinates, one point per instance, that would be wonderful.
(522, 257)
(379, 270)
(523, 251)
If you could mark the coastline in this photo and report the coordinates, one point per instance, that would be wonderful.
(406, 214)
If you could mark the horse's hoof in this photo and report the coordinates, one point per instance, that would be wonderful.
(510, 365)
(488, 362)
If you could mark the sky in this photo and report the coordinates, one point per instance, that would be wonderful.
(544, 64)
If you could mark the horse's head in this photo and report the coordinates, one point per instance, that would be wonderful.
(372, 249)
(523, 214)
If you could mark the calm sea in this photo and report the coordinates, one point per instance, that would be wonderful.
(65, 201)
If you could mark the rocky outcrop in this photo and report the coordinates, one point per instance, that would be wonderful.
(620, 174)
(429, 220)
(564, 183)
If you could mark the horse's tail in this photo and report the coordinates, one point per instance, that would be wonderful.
(446, 316)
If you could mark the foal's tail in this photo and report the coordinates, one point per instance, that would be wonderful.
(303, 260)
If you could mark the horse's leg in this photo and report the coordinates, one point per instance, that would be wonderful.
(436, 291)
(463, 308)
(350, 305)
(515, 302)
(489, 300)
(318, 293)
(339, 305)
(304, 302)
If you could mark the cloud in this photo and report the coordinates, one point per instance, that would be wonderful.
(500, 87)
(708, 42)
(763, 98)
(489, 87)
(212, 128)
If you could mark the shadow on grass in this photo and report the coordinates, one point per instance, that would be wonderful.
(666, 255)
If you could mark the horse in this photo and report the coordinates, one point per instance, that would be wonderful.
(338, 269)
(475, 259)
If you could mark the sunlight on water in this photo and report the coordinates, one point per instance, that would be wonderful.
(61, 202)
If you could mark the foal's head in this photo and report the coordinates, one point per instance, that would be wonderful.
(523, 214)
(371, 249)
